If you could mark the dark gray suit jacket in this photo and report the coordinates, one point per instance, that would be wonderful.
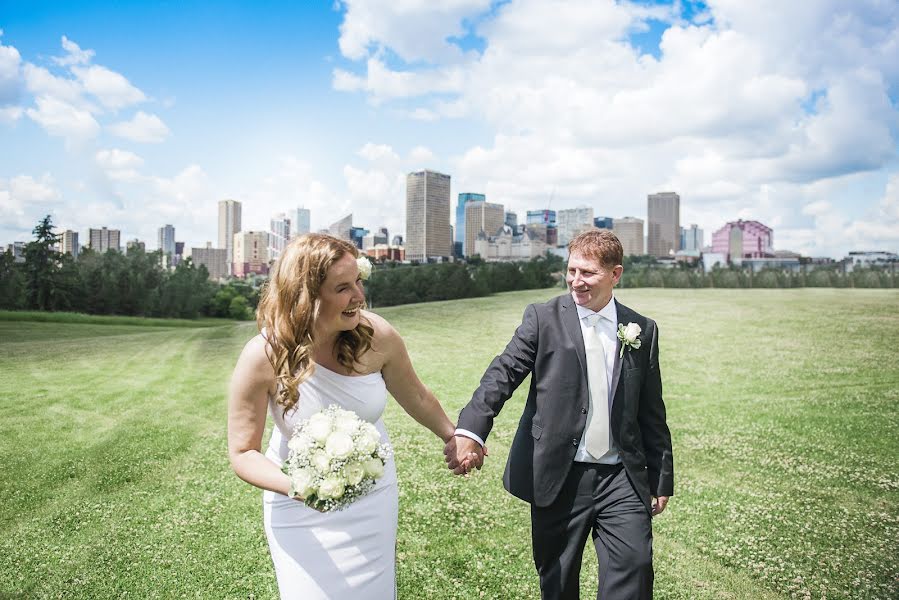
(549, 345)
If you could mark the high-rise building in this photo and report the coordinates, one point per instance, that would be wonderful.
(17, 249)
(428, 216)
(604, 223)
(482, 219)
(542, 217)
(692, 238)
(167, 240)
(744, 239)
(299, 225)
(572, 221)
(69, 243)
(103, 239)
(341, 229)
(357, 235)
(629, 232)
(397, 240)
(250, 253)
(663, 217)
(179, 253)
(464, 198)
(278, 235)
(229, 224)
(214, 259)
(511, 220)
(135, 244)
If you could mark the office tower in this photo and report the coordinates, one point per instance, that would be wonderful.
(229, 224)
(511, 219)
(250, 253)
(629, 232)
(572, 221)
(167, 240)
(692, 238)
(214, 259)
(744, 239)
(135, 244)
(341, 228)
(357, 235)
(603, 223)
(69, 243)
(299, 225)
(464, 198)
(428, 216)
(103, 239)
(397, 240)
(381, 236)
(541, 217)
(663, 221)
(482, 219)
(279, 235)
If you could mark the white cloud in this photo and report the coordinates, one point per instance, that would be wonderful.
(10, 74)
(74, 54)
(10, 114)
(61, 119)
(22, 197)
(112, 89)
(143, 127)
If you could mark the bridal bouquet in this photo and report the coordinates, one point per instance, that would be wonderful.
(335, 458)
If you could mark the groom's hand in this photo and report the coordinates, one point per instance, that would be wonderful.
(462, 453)
(659, 504)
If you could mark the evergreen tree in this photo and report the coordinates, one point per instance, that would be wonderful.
(42, 264)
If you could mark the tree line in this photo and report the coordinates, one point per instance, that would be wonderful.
(114, 283)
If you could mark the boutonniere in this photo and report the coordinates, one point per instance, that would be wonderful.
(629, 337)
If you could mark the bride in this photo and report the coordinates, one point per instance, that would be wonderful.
(318, 347)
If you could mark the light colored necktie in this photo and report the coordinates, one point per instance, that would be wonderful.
(596, 435)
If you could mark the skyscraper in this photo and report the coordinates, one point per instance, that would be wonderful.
(481, 218)
(300, 222)
(629, 232)
(103, 239)
(428, 216)
(692, 238)
(341, 229)
(572, 221)
(663, 216)
(69, 243)
(250, 253)
(214, 259)
(278, 235)
(464, 198)
(603, 223)
(229, 224)
(167, 240)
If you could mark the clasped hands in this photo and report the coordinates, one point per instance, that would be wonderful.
(462, 454)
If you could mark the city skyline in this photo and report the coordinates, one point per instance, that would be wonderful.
(780, 113)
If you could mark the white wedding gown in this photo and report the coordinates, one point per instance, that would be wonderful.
(343, 554)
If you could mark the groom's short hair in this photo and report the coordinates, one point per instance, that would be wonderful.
(599, 244)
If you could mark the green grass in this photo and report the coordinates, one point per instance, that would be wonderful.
(81, 318)
(782, 405)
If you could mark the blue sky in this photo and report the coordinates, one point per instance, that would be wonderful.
(135, 115)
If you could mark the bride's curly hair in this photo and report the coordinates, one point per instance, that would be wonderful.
(289, 307)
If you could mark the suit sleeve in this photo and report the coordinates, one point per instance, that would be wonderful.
(502, 377)
(653, 424)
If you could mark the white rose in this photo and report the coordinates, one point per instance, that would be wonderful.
(354, 473)
(631, 332)
(303, 482)
(364, 267)
(300, 443)
(347, 423)
(373, 467)
(318, 427)
(332, 487)
(321, 462)
(369, 438)
(339, 445)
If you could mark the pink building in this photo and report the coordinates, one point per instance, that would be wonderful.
(744, 239)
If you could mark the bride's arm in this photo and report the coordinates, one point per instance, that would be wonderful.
(403, 383)
(251, 382)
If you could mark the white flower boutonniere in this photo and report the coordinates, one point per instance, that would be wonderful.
(629, 337)
(364, 267)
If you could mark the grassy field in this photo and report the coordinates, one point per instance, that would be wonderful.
(782, 405)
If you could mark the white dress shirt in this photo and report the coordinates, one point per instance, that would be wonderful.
(608, 334)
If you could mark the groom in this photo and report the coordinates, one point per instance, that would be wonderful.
(592, 454)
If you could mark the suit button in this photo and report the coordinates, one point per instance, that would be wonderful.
(583, 411)
(574, 442)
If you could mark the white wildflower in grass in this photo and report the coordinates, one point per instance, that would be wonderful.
(335, 458)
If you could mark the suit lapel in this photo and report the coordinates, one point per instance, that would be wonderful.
(623, 317)
(573, 327)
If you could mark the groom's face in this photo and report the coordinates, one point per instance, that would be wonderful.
(590, 282)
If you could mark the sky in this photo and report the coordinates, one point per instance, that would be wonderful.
(134, 115)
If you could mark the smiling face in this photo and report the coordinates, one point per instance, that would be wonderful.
(590, 282)
(341, 297)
